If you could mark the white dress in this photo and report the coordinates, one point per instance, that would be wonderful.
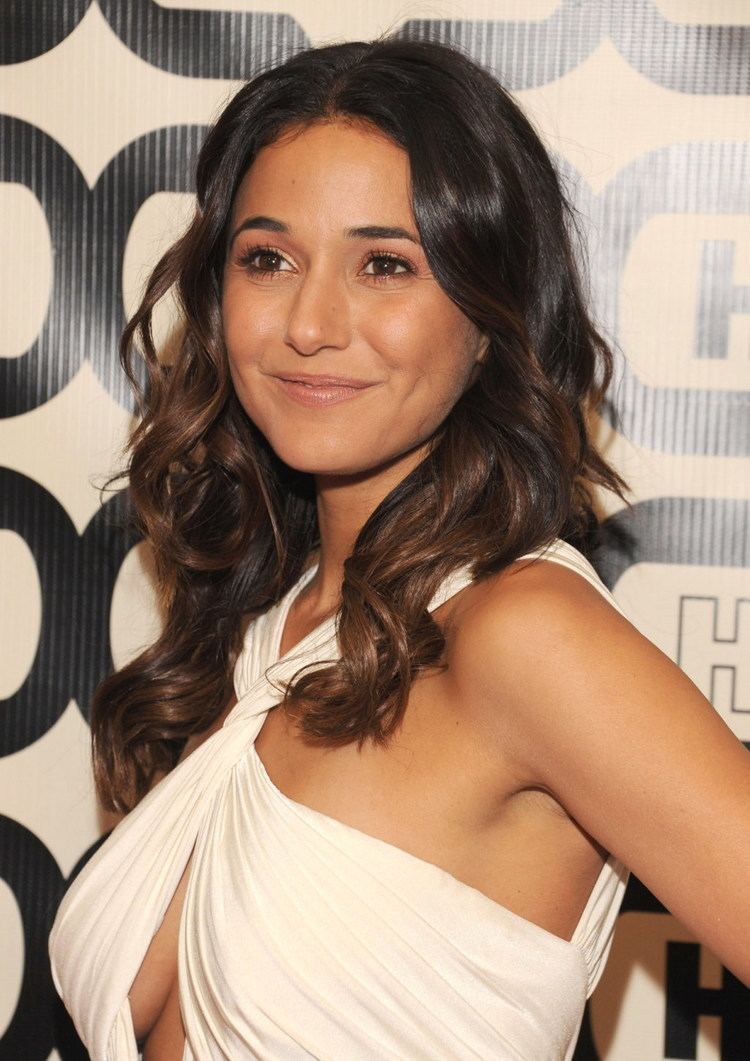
(303, 937)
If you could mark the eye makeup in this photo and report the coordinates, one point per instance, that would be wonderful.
(245, 261)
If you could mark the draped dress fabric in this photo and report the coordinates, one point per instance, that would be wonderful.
(301, 936)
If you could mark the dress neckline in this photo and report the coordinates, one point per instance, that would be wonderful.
(278, 614)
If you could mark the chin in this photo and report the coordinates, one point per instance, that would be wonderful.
(322, 467)
(338, 460)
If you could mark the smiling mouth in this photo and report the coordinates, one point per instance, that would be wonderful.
(320, 393)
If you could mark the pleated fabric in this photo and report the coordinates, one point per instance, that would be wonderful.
(301, 936)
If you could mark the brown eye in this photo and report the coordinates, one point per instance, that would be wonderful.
(396, 266)
(265, 255)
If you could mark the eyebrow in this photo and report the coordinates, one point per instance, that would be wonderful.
(271, 224)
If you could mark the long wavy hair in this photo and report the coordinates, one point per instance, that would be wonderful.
(509, 469)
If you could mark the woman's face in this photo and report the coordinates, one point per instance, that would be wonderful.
(305, 296)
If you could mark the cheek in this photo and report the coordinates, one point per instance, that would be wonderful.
(250, 330)
(428, 345)
(246, 326)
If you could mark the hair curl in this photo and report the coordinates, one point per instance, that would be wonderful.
(509, 469)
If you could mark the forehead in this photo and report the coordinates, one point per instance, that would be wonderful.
(337, 168)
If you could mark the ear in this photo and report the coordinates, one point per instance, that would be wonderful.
(479, 357)
(482, 348)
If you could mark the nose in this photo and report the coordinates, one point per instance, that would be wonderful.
(319, 314)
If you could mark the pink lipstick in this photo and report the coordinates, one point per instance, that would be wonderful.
(321, 390)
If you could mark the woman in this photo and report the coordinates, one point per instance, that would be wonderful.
(366, 478)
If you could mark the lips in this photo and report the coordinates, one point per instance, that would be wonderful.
(325, 381)
(310, 391)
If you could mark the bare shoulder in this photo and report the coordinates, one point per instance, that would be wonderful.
(533, 618)
(589, 708)
(546, 655)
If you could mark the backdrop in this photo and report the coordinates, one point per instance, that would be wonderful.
(644, 105)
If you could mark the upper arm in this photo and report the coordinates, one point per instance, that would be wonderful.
(590, 709)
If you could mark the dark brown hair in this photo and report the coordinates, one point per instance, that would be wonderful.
(509, 469)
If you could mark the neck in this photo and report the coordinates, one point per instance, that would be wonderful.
(344, 504)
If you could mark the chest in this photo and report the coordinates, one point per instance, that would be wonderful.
(439, 791)
(443, 791)
(434, 790)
